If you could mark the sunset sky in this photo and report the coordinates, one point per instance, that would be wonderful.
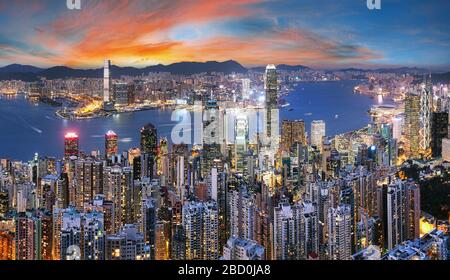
(316, 33)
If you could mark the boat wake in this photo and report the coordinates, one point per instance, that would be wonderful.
(36, 129)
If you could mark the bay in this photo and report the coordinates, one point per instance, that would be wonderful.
(27, 128)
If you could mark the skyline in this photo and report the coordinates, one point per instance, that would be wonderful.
(252, 32)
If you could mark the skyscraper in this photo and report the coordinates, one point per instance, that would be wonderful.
(284, 232)
(439, 131)
(318, 132)
(340, 233)
(412, 210)
(71, 145)
(426, 107)
(118, 187)
(7, 246)
(397, 128)
(271, 86)
(200, 222)
(93, 236)
(412, 125)
(149, 150)
(292, 132)
(111, 147)
(25, 237)
(149, 143)
(70, 233)
(242, 214)
(89, 181)
(446, 149)
(107, 82)
(245, 88)
(394, 211)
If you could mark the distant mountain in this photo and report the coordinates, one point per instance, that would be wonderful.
(283, 67)
(189, 68)
(402, 70)
(399, 70)
(30, 73)
(18, 68)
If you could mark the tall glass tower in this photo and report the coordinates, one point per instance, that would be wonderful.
(149, 140)
(271, 86)
(107, 84)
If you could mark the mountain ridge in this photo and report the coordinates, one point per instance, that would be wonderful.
(31, 73)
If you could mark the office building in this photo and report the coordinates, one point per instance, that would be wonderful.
(439, 131)
(318, 132)
(107, 82)
(71, 145)
(292, 132)
(111, 146)
(412, 125)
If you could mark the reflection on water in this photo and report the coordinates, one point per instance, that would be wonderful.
(27, 129)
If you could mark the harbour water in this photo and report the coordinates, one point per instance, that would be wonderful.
(27, 128)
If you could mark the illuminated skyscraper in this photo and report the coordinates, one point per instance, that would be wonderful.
(412, 125)
(394, 211)
(149, 225)
(200, 223)
(93, 236)
(271, 86)
(4, 203)
(412, 210)
(118, 187)
(284, 241)
(89, 181)
(241, 133)
(149, 142)
(71, 145)
(340, 233)
(111, 147)
(25, 237)
(7, 246)
(318, 132)
(246, 88)
(242, 214)
(107, 82)
(149, 150)
(426, 108)
(292, 132)
(70, 234)
(397, 128)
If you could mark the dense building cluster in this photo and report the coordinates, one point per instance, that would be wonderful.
(294, 197)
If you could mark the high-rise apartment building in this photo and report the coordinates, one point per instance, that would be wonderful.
(318, 132)
(242, 250)
(340, 233)
(292, 132)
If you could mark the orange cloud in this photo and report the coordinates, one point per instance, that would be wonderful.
(137, 32)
